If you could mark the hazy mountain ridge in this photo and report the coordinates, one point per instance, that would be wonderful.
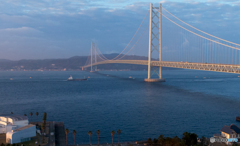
(72, 63)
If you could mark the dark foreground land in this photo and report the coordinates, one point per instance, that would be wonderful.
(54, 135)
(60, 136)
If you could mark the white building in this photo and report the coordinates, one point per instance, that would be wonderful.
(232, 133)
(16, 127)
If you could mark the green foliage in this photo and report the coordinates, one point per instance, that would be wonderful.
(66, 131)
(89, 133)
(45, 117)
(189, 138)
(98, 132)
(155, 141)
(119, 131)
(43, 127)
(204, 142)
(74, 132)
(149, 141)
(235, 144)
(112, 133)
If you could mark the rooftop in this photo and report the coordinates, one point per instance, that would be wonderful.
(230, 129)
(24, 127)
(14, 117)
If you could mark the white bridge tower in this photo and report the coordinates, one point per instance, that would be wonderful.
(155, 42)
(93, 51)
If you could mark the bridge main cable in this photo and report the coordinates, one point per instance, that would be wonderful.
(200, 35)
(134, 44)
(201, 30)
(132, 37)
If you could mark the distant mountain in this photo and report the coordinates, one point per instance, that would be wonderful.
(73, 63)
(4, 60)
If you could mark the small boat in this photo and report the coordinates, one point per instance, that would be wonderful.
(238, 119)
(72, 79)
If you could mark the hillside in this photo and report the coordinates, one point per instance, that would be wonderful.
(73, 63)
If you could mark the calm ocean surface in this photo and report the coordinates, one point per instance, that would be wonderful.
(193, 101)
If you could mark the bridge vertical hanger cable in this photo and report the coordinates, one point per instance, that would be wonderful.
(88, 59)
(133, 45)
(132, 37)
(100, 54)
(126, 46)
(201, 30)
(201, 35)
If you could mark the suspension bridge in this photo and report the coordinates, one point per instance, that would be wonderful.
(175, 44)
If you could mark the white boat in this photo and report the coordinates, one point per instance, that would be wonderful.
(71, 79)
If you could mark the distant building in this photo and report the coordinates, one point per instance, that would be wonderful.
(232, 133)
(17, 128)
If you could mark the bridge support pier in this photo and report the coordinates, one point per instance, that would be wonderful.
(152, 44)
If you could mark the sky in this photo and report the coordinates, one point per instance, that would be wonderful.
(43, 29)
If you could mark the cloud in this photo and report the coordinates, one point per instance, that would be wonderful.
(20, 31)
(65, 28)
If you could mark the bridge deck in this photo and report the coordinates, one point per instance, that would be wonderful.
(229, 68)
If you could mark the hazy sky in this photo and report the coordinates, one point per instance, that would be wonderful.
(38, 29)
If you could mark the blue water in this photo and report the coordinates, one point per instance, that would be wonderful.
(193, 101)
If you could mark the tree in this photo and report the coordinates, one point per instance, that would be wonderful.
(66, 132)
(161, 139)
(189, 138)
(90, 133)
(194, 140)
(168, 141)
(43, 129)
(235, 144)
(176, 141)
(155, 141)
(45, 117)
(98, 132)
(119, 132)
(149, 141)
(112, 134)
(31, 116)
(74, 133)
(186, 138)
(37, 116)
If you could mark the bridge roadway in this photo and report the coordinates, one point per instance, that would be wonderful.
(228, 68)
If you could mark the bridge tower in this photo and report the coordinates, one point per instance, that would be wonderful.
(155, 41)
(93, 50)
